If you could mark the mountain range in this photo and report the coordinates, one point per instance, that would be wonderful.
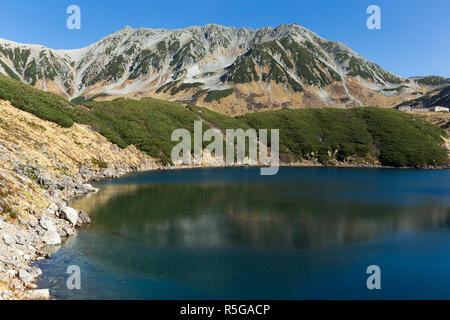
(226, 69)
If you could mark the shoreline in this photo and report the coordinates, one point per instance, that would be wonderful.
(28, 241)
(60, 219)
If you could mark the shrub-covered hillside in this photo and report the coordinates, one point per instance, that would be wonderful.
(392, 137)
(396, 139)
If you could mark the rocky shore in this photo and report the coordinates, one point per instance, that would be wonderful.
(43, 167)
(24, 241)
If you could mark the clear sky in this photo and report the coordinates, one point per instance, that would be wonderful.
(414, 39)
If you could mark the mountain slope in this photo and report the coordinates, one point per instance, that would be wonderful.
(360, 136)
(226, 69)
(437, 97)
(432, 82)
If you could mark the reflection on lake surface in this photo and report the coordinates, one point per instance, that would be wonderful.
(230, 233)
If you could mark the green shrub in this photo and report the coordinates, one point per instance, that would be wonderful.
(44, 105)
(100, 164)
(396, 138)
(218, 94)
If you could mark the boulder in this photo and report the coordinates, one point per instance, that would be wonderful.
(39, 230)
(51, 237)
(62, 233)
(66, 183)
(11, 273)
(44, 180)
(41, 294)
(30, 286)
(47, 224)
(7, 239)
(20, 240)
(69, 231)
(52, 206)
(32, 222)
(70, 214)
(25, 276)
(88, 188)
(7, 294)
(84, 217)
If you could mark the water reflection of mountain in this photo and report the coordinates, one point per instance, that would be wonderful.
(230, 234)
(282, 216)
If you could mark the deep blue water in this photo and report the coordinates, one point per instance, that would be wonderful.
(307, 233)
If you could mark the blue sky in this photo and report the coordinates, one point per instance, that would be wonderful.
(414, 40)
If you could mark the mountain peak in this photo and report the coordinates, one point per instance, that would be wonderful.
(237, 70)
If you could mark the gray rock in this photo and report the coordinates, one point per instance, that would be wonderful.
(70, 215)
(40, 231)
(84, 217)
(25, 276)
(35, 272)
(88, 188)
(32, 222)
(41, 294)
(31, 286)
(7, 294)
(54, 192)
(31, 172)
(61, 204)
(109, 173)
(44, 180)
(11, 273)
(51, 237)
(62, 233)
(69, 231)
(47, 224)
(7, 239)
(20, 240)
(66, 183)
(53, 207)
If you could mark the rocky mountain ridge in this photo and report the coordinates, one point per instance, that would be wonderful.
(227, 69)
